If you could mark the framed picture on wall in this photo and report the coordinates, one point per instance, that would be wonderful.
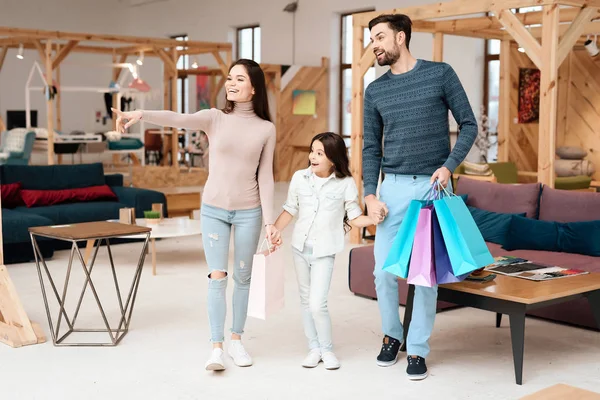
(529, 95)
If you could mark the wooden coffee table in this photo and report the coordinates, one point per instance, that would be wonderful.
(515, 297)
(75, 233)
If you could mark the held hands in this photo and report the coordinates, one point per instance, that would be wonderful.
(126, 118)
(442, 175)
(273, 235)
(377, 210)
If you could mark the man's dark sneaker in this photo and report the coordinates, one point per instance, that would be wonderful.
(416, 369)
(389, 351)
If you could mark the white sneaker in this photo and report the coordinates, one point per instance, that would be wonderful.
(312, 359)
(330, 360)
(240, 357)
(215, 362)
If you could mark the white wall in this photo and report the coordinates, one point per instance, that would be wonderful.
(317, 35)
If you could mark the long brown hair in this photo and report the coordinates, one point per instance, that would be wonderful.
(337, 152)
(260, 101)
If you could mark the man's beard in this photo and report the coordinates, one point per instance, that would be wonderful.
(390, 57)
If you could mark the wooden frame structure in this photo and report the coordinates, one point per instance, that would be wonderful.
(54, 47)
(563, 22)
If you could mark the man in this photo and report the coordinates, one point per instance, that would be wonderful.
(406, 133)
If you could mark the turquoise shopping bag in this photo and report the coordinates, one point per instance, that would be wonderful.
(465, 245)
(398, 258)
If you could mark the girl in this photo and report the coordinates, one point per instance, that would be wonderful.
(324, 196)
(238, 193)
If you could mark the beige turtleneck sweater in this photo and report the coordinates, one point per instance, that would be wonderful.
(241, 147)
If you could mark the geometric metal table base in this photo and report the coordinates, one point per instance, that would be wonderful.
(116, 333)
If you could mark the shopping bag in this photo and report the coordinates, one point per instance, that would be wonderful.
(466, 248)
(399, 255)
(443, 267)
(421, 271)
(266, 295)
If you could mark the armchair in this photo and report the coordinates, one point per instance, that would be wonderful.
(16, 146)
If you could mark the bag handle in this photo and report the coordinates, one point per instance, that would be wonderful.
(262, 244)
(439, 185)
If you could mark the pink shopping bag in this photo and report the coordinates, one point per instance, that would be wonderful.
(421, 270)
(266, 284)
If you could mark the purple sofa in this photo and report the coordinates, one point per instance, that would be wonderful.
(536, 201)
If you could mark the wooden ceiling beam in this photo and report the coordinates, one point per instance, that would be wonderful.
(64, 52)
(57, 35)
(453, 8)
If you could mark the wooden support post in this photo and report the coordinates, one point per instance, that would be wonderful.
(574, 32)
(438, 47)
(504, 104)
(174, 107)
(521, 35)
(3, 55)
(63, 53)
(16, 329)
(549, 96)
(357, 119)
(58, 94)
(49, 105)
(40, 48)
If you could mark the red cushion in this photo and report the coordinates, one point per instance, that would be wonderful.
(11, 195)
(34, 198)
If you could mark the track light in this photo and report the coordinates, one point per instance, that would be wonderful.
(20, 53)
(140, 60)
(591, 47)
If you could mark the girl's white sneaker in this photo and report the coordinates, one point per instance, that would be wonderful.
(240, 357)
(215, 362)
(330, 360)
(312, 359)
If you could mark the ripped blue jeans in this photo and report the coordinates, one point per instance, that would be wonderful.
(216, 234)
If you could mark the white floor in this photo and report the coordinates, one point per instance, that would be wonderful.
(163, 355)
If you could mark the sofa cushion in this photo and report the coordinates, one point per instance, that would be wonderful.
(38, 198)
(493, 226)
(77, 212)
(569, 237)
(53, 177)
(569, 206)
(15, 225)
(11, 195)
(567, 260)
(501, 197)
(579, 237)
(531, 234)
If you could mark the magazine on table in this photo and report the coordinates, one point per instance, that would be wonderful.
(525, 269)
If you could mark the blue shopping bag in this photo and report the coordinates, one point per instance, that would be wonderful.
(443, 267)
(398, 258)
(466, 248)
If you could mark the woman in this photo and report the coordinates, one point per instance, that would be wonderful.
(238, 193)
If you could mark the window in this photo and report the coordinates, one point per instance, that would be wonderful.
(346, 74)
(183, 63)
(491, 75)
(248, 43)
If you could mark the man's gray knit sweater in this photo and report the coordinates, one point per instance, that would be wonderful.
(406, 129)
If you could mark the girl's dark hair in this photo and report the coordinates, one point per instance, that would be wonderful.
(337, 152)
(260, 101)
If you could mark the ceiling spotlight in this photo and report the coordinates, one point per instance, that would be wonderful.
(522, 50)
(291, 7)
(195, 64)
(20, 53)
(140, 60)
